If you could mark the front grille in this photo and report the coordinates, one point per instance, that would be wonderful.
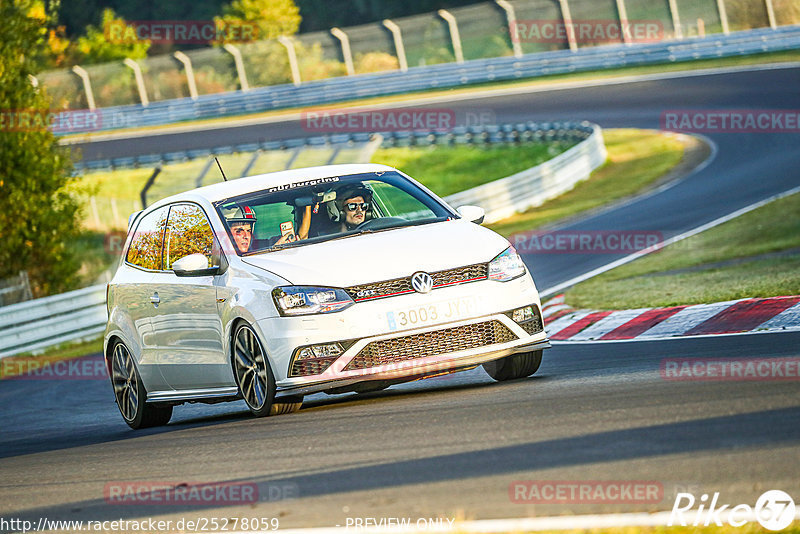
(311, 366)
(433, 343)
(399, 286)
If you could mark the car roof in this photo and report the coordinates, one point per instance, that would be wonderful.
(241, 186)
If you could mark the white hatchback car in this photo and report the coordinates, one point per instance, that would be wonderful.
(337, 278)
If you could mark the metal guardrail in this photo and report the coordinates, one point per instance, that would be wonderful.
(447, 75)
(45, 322)
(470, 135)
(532, 187)
(41, 323)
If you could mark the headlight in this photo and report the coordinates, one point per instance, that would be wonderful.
(506, 266)
(304, 300)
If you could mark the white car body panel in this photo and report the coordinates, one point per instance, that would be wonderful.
(182, 346)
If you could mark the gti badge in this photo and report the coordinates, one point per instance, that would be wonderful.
(422, 282)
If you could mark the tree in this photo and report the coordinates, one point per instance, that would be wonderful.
(100, 45)
(38, 217)
(273, 17)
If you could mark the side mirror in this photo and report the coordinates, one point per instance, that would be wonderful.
(472, 213)
(194, 265)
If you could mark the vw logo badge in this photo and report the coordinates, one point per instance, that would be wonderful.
(422, 282)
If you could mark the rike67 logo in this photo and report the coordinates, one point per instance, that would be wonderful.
(774, 510)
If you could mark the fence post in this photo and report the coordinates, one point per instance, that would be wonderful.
(623, 20)
(723, 17)
(237, 60)
(771, 14)
(137, 73)
(250, 163)
(289, 45)
(114, 211)
(87, 85)
(143, 194)
(701, 28)
(399, 48)
(27, 294)
(346, 52)
(566, 16)
(95, 214)
(676, 19)
(187, 66)
(455, 37)
(199, 180)
(511, 17)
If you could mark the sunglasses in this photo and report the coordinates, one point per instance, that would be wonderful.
(352, 206)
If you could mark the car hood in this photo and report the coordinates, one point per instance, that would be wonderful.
(384, 255)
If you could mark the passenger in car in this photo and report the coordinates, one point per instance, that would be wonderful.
(242, 222)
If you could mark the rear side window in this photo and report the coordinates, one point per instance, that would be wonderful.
(145, 249)
(188, 232)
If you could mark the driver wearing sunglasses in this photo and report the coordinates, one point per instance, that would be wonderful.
(355, 212)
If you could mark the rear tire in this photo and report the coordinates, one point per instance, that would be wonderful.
(253, 374)
(131, 395)
(514, 366)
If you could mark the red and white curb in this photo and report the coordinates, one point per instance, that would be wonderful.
(774, 314)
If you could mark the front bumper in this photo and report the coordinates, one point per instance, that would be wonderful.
(411, 370)
(382, 321)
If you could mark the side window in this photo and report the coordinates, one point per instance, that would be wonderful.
(145, 249)
(188, 232)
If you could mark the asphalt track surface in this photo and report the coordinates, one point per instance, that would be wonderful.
(453, 446)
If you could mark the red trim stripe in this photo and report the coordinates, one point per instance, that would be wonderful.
(743, 316)
(577, 326)
(642, 323)
(412, 291)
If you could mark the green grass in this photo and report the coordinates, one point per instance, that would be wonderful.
(636, 159)
(735, 260)
(446, 170)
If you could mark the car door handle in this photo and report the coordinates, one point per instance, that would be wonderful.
(155, 299)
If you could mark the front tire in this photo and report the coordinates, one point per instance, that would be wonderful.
(252, 371)
(515, 366)
(131, 395)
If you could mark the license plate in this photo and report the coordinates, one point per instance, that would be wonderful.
(436, 312)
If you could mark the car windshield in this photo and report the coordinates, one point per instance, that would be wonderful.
(312, 211)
